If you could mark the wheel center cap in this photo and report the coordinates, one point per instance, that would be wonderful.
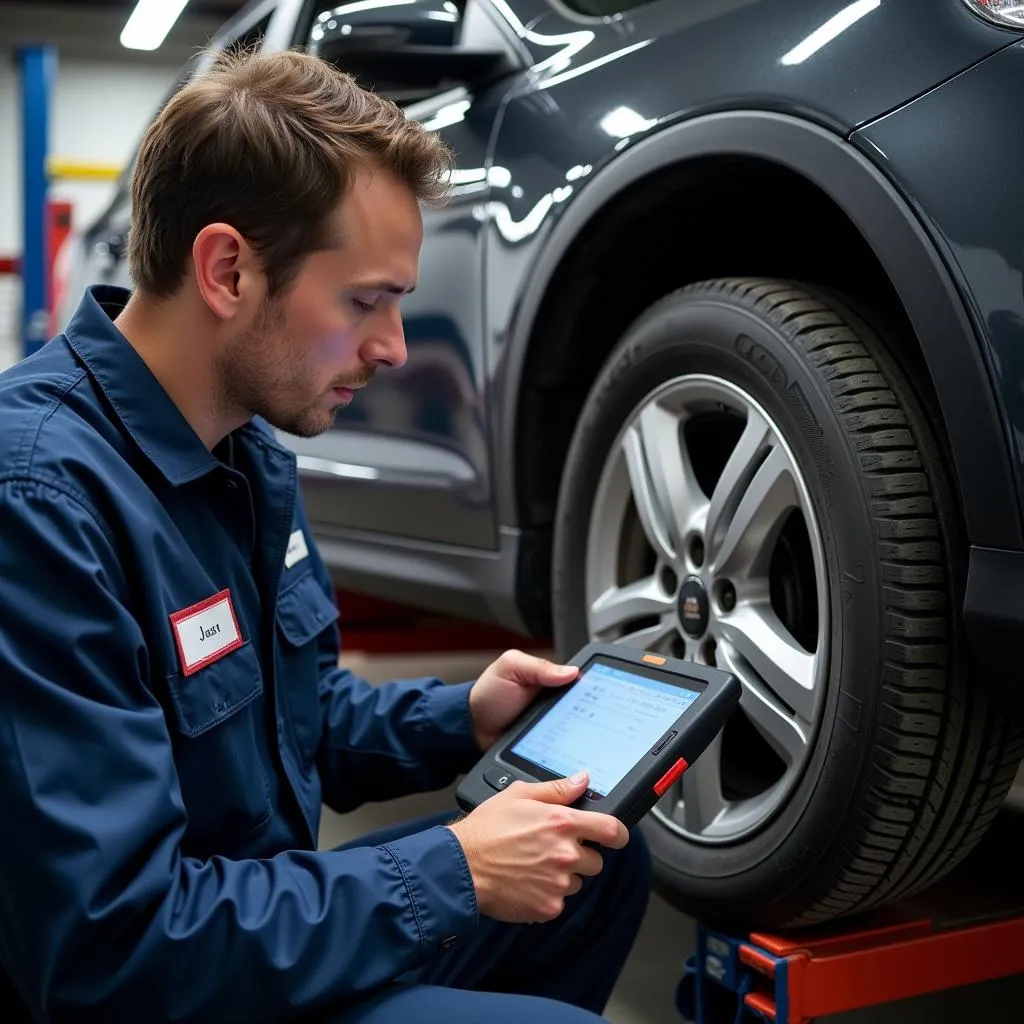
(693, 607)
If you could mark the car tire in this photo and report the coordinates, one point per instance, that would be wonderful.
(893, 762)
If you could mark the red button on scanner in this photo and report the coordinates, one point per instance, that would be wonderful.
(672, 775)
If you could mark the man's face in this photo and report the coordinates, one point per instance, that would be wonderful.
(311, 346)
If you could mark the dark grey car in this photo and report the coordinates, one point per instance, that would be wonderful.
(716, 350)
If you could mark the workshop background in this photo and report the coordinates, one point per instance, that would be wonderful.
(101, 98)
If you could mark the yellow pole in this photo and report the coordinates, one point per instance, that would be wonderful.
(79, 170)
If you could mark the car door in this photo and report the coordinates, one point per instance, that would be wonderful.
(409, 458)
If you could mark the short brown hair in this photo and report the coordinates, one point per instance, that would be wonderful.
(268, 143)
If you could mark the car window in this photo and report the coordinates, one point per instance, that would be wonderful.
(598, 8)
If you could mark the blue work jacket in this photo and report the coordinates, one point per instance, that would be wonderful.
(172, 716)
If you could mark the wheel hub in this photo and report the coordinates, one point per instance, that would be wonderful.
(693, 607)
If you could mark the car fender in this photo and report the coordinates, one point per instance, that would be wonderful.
(907, 253)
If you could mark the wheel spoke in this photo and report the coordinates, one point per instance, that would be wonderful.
(735, 478)
(664, 489)
(746, 545)
(652, 638)
(782, 666)
(702, 796)
(619, 606)
(786, 734)
(652, 514)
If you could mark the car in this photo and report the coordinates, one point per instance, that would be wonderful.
(716, 351)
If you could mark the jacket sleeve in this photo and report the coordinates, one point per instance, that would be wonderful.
(101, 916)
(380, 742)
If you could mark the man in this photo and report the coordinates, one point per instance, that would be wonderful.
(171, 710)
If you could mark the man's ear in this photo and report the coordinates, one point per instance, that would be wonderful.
(227, 271)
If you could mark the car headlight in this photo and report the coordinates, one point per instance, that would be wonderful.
(1002, 12)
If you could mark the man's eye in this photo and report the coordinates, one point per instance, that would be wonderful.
(363, 306)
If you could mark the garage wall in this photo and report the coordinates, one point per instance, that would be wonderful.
(98, 110)
(102, 99)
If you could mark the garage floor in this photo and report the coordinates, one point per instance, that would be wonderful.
(645, 994)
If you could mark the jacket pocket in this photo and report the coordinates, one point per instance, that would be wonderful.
(304, 612)
(217, 750)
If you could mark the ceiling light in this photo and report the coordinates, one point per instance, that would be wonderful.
(150, 22)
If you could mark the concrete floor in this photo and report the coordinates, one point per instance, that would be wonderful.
(646, 991)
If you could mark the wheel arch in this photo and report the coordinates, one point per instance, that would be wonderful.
(696, 165)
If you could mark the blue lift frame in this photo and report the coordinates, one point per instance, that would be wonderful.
(37, 65)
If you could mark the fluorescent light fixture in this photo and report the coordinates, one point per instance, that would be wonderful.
(835, 25)
(150, 22)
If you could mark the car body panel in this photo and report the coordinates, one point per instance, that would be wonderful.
(841, 63)
(928, 294)
(972, 209)
(582, 154)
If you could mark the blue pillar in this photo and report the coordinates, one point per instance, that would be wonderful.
(37, 64)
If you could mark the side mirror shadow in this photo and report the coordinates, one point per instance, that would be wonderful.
(406, 50)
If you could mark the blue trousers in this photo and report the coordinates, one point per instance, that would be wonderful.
(559, 972)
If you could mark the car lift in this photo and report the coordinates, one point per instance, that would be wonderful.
(969, 929)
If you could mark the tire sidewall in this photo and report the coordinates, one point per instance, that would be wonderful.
(691, 333)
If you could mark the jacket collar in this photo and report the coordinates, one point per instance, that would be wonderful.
(139, 400)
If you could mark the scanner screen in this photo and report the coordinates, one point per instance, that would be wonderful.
(604, 724)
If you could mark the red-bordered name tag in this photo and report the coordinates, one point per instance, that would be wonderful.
(206, 631)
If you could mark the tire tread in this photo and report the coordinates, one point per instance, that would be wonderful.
(944, 757)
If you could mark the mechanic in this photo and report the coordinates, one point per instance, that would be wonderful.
(172, 713)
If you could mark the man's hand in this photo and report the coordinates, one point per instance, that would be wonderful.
(524, 848)
(505, 689)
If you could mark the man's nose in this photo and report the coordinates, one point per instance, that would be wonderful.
(386, 345)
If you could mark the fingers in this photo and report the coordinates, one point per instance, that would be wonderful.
(558, 791)
(529, 670)
(601, 828)
(590, 862)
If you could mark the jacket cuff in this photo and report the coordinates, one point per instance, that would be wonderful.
(439, 887)
(446, 725)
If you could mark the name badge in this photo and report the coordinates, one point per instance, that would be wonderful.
(206, 631)
(297, 549)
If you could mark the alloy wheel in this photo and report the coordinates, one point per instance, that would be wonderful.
(703, 543)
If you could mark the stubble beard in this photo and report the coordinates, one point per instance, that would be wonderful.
(260, 375)
(263, 375)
